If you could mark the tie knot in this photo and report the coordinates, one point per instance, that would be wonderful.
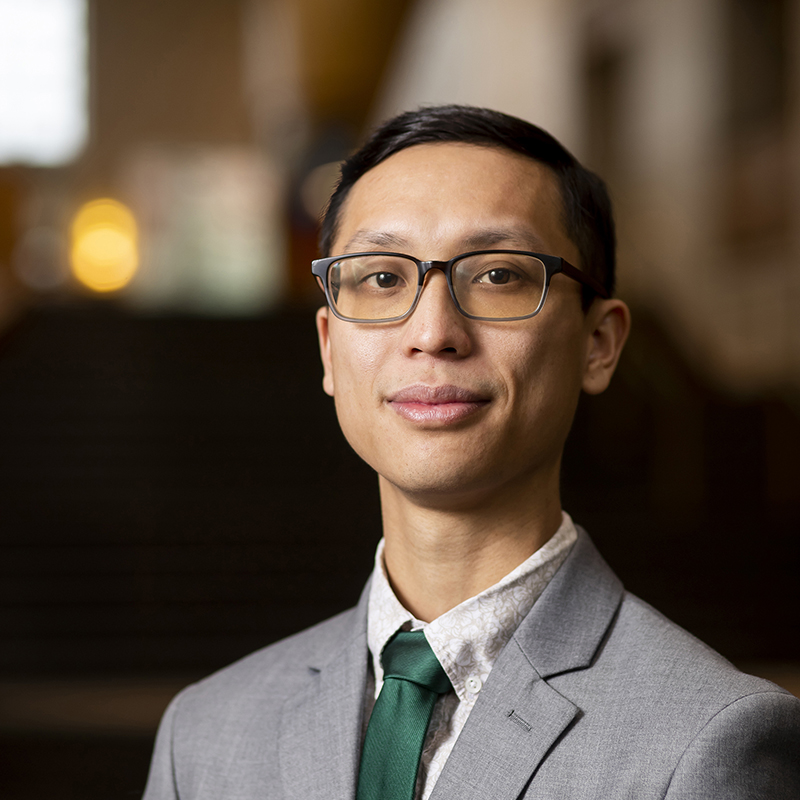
(409, 657)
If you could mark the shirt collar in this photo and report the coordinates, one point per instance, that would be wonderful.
(468, 638)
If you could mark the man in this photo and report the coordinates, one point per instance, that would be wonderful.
(468, 273)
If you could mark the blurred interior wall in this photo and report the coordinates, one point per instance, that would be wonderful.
(513, 55)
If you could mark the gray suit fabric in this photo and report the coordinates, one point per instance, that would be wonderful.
(596, 696)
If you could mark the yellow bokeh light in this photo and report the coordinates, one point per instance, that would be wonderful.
(104, 251)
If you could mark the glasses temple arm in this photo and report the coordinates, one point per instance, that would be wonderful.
(583, 277)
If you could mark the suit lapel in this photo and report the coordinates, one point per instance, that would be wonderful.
(321, 726)
(518, 717)
(569, 621)
(513, 725)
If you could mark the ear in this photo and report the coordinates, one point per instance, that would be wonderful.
(608, 323)
(323, 332)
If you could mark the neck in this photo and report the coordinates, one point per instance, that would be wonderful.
(437, 556)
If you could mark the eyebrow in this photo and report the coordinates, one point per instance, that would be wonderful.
(479, 240)
(505, 236)
(364, 238)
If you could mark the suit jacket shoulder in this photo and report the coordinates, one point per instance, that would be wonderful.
(276, 670)
(236, 732)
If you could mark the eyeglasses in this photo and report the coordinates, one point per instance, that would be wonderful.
(485, 284)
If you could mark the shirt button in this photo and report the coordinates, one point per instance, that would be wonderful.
(474, 685)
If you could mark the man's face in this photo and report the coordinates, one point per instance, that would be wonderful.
(449, 410)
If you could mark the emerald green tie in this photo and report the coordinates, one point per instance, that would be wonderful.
(412, 680)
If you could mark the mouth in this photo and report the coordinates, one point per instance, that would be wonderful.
(437, 405)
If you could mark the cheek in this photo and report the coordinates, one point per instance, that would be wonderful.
(543, 371)
(355, 353)
(358, 404)
(357, 358)
(356, 361)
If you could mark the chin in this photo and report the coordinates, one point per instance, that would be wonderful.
(450, 490)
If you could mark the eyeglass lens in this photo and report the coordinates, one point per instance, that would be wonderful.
(491, 285)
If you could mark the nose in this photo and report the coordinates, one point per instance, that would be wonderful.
(436, 326)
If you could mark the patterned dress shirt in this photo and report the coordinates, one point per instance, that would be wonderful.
(466, 640)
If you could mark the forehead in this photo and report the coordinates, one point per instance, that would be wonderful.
(458, 196)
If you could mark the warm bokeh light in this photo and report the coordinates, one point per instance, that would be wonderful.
(104, 251)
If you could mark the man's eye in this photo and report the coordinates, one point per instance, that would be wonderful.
(497, 276)
(383, 280)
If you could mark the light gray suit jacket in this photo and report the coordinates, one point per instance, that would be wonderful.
(596, 696)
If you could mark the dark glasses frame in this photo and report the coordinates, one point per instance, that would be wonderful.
(553, 265)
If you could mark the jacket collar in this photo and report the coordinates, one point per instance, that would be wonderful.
(569, 621)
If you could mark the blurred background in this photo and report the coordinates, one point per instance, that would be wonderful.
(174, 489)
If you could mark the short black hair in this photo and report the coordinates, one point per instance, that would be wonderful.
(587, 215)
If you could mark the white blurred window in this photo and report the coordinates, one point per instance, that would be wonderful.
(43, 81)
